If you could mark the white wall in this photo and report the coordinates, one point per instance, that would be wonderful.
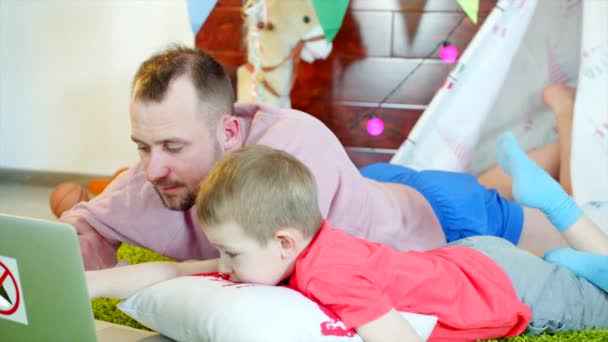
(65, 74)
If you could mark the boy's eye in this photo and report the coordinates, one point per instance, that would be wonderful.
(230, 254)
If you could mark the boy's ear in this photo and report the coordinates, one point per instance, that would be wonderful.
(290, 240)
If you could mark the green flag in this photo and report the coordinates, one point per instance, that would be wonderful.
(471, 8)
(330, 14)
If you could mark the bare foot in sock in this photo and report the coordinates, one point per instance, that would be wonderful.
(533, 186)
(591, 266)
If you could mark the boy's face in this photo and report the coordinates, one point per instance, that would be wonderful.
(245, 260)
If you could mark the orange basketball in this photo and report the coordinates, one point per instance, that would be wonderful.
(65, 196)
(97, 185)
(117, 173)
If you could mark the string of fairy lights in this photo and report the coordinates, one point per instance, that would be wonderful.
(448, 53)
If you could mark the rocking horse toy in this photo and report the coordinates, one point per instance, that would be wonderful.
(280, 34)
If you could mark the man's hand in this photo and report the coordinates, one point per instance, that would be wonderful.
(97, 253)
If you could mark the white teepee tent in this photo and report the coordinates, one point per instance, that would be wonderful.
(523, 46)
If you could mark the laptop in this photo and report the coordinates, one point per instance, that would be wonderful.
(43, 294)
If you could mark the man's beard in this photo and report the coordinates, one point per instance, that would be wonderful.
(188, 200)
(181, 203)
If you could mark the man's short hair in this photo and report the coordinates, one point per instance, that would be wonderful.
(209, 78)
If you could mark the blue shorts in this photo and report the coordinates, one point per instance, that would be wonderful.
(463, 206)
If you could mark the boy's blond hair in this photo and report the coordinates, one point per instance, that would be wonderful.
(262, 190)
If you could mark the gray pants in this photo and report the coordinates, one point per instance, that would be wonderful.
(559, 300)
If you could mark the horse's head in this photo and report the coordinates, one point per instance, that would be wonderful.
(289, 25)
(279, 34)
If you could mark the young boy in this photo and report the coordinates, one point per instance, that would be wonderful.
(259, 209)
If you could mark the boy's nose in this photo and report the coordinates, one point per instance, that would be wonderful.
(223, 267)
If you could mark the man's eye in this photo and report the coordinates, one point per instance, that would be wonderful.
(173, 148)
(230, 254)
(142, 148)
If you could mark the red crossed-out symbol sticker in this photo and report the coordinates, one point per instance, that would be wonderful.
(5, 277)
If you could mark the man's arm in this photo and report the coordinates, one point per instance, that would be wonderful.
(122, 282)
(97, 252)
(390, 327)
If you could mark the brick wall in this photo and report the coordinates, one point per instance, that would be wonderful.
(381, 42)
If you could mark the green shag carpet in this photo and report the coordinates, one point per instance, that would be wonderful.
(105, 308)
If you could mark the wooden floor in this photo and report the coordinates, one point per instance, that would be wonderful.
(27, 193)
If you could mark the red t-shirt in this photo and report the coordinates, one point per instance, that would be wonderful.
(361, 281)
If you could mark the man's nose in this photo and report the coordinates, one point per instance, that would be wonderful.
(157, 166)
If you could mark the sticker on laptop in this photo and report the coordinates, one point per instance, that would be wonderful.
(12, 302)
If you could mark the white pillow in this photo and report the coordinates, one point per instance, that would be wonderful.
(208, 308)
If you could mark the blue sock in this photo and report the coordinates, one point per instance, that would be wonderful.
(591, 266)
(535, 188)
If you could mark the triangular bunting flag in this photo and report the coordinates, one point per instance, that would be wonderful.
(198, 11)
(471, 8)
(331, 14)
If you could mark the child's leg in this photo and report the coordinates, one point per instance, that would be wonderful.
(560, 99)
(547, 157)
(591, 266)
(559, 300)
(553, 158)
(538, 233)
(535, 188)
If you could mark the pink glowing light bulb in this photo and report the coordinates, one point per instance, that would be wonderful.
(375, 126)
(448, 53)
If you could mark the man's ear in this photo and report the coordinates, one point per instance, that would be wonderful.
(290, 240)
(229, 134)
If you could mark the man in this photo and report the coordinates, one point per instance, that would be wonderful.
(183, 120)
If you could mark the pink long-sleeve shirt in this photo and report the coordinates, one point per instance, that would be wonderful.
(129, 210)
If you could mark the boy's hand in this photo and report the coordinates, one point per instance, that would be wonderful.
(122, 282)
